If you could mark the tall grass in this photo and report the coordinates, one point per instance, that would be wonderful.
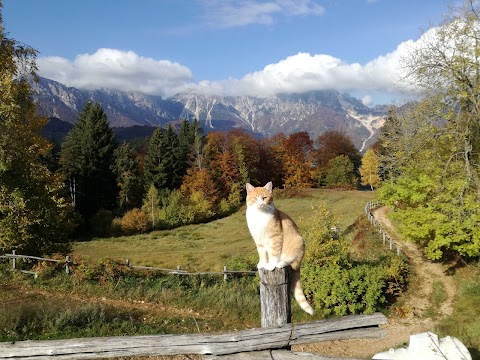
(132, 305)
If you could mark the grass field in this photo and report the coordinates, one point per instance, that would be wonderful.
(62, 307)
(224, 242)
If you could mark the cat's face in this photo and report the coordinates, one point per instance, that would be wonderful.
(260, 197)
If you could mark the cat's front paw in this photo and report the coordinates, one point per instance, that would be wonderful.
(261, 265)
(269, 266)
(281, 264)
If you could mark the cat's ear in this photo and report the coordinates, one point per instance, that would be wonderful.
(249, 188)
(268, 187)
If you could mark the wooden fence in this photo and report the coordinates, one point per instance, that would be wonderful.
(369, 207)
(14, 257)
(277, 332)
(245, 341)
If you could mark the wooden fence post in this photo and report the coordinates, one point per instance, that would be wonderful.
(225, 273)
(275, 297)
(67, 266)
(14, 260)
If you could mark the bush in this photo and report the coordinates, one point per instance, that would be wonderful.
(106, 270)
(101, 223)
(336, 283)
(133, 222)
(338, 290)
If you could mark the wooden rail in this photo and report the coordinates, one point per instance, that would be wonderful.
(393, 246)
(346, 327)
(68, 264)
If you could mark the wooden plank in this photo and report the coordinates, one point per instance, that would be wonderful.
(356, 326)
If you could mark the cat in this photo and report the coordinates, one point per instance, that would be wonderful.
(276, 236)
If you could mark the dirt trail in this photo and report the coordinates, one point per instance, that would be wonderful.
(417, 310)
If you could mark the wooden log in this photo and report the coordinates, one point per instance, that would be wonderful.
(275, 297)
(347, 327)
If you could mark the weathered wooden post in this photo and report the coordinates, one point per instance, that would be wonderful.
(14, 259)
(275, 297)
(67, 266)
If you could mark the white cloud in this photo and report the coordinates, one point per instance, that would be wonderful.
(111, 68)
(125, 70)
(236, 13)
(306, 72)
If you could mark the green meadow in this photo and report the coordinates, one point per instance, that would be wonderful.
(223, 242)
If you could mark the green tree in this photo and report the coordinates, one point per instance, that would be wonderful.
(129, 180)
(87, 159)
(164, 166)
(370, 169)
(436, 182)
(340, 172)
(34, 217)
(151, 205)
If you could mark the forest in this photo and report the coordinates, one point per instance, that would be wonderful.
(425, 164)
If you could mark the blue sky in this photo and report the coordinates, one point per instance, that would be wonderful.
(225, 47)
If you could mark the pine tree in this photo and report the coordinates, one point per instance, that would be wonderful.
(34, 217)
(87, 158)
(163, 162)
(129, 180)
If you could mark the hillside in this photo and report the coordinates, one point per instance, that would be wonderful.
(314, 112)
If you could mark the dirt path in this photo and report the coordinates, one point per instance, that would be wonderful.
(417, 311)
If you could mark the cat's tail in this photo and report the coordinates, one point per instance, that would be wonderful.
(298, 292)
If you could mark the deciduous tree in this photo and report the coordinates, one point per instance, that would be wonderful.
(34, 217)
(297, 160)
(369, 171)
(437, 180)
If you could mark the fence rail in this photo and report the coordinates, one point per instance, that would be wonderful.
(68, 267)
(278, 337)
(369, 207)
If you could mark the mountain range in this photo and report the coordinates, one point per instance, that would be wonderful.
(314, 112)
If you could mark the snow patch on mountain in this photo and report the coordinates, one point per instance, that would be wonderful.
(371, 122)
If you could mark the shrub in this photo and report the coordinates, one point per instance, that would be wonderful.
(101, 223)
(134, 221)
(339, 290)
(116, 229)
(336, 283)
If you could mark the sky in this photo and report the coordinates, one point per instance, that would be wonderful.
(226, 47)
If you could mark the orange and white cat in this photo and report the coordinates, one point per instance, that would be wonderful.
(278, 240)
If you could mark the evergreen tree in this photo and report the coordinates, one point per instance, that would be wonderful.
(185, 142)
(129, 180)
(34, 217)
(163, 162)
(87, 158)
